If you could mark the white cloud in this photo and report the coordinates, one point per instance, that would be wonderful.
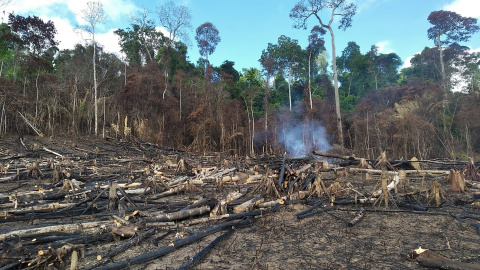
(407, 63)
(116, 10)
(366, 4)
(63, 13)
(384, 47)
(109, 41)
(66, 33)
(467, 8)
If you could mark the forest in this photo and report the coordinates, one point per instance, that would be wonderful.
(302, 99)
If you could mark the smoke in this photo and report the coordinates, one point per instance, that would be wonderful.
(301, 138)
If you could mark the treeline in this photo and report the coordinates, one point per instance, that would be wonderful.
(155, 94)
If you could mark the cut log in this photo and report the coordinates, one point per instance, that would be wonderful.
(56, 228)
(172, 191)
(106, 258)
(421, 172)
(129, 230)
(430, 259)
(323, 154)
(357, 218)
(190, 262)
(221, 207)
(183, 214)
(248, 205)
(175, 245)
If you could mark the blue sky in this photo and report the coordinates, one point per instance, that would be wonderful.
(247, 26)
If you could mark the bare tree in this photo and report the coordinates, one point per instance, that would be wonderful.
(4, 3)
(176, 20)
(312, 8)
(93, 15)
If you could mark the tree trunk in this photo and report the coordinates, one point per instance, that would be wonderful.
(36, 103)
(289, 87)
(335, 83)
(310, 79)
(253, 128)
(265, 106)
(95, 84)
(443, 85)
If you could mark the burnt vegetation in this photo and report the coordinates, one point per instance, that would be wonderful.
(100, 155)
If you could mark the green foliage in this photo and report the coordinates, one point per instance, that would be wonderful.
(348, 102)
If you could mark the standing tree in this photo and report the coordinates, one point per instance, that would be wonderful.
(93, 15)
(176, 20)
(288, 57)
(36, 35)
(267, 60)
(455, 27)
(316, 44)
(308, 8)
(207, 39)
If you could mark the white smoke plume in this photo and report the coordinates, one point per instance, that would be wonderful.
(301, 138)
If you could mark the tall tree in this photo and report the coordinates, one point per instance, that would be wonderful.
(142, 40)
(176, 20)
(37, 35)
(316, 44)
(93, 15)
(453, 26)
(207, 39)
(384, 67)
(312, 8)
(288, 57)
(456, 29)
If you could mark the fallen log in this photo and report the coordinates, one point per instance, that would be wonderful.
(431, 259)
(477, 226)
(175, 245)
(172, 191)
(182, 214)
(221, 207)
(314, 212)
(317, 204)
(446, 264)
(106, 258)
(329, 155)
(248, 205)
(357, 218)
(198, 203)
(190, 262)
(57, 228)
(373, 171)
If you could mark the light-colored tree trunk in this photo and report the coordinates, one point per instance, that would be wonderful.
(180, 92)
(289, 87)
(36, 103)
(310, 79)
(337, 97)
(444, 82)
(95, 84)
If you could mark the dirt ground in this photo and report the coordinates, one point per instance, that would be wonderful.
(278, 240)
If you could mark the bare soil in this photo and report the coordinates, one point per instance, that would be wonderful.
(278, 240)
